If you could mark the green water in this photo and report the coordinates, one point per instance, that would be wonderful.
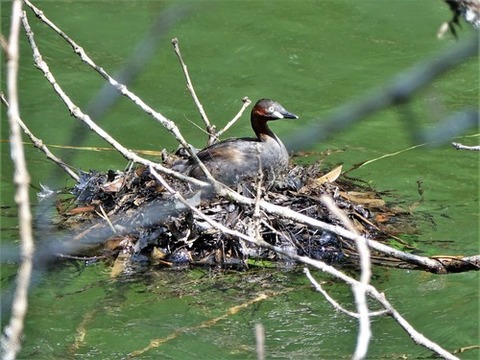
(312, 56)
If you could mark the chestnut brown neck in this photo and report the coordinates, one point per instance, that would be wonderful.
(260, 127)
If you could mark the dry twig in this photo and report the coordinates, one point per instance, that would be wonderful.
(459, 146)
(260, 341)
(38, 143)
(76, 112)
(11, 340)
(369, 289)
(210, 128)
(363, 285)
(246, 102)
(333, 302)
(364, 333)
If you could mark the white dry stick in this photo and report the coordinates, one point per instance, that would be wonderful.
(11, 340)
(203, 114)
(287, 213)
(372, 291)
(360, 289)
(417, 337)
(260, 341)
(421, 261)
(459, 146)
(334, 303)
(246, 103)
(38, 143)
(167, 124)
(78, 114)
(258, 196)
(185, 202)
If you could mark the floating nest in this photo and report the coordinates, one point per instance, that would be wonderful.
(130, 216)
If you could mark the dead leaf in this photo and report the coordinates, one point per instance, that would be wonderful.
(119, 265)
(114, 186)
(367, 199)
(329, 177)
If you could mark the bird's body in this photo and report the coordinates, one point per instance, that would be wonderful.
(235, 160)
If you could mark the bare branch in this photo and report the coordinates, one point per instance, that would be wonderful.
(364, 333)
(42, 147)
(260, 341)
(208, 126)
(167, 124)
(258, 197)
(78, 114)
(334, 303)
(459, 146)
(3, 44)
(246, 102)
(415, 335)
(11, 340)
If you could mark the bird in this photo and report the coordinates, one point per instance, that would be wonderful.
(236, 160)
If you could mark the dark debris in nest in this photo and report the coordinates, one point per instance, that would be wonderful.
(129, 215)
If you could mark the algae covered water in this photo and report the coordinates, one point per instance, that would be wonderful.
(312, 56)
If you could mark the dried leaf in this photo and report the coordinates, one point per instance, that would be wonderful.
(329, 177)
(367, 199)
(114, 186)
(119, 265)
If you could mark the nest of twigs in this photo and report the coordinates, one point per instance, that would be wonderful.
(131, 214)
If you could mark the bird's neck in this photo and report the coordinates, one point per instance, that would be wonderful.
(262, 130)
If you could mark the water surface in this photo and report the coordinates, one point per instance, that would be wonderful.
(310, 56)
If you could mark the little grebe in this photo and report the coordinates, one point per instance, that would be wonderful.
(234, 160)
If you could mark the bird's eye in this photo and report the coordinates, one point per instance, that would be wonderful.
(271, 109)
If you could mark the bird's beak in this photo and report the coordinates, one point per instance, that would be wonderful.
(287, 115)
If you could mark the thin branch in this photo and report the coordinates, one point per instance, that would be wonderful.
(260, 341)
(334, 303)
(144, 50)
(258, 197)
(208, 126)
(364, 333)
(3, 44)
(167, 124)
(11, 340)
(105, 217)
(78, 114)
(417, 337)
(3, 99)
(38, 143)
(424, 262)
(372, 291)
(220, 189)
(246, 103)
(459, 146)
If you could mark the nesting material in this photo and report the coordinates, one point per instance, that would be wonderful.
(130, 217)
